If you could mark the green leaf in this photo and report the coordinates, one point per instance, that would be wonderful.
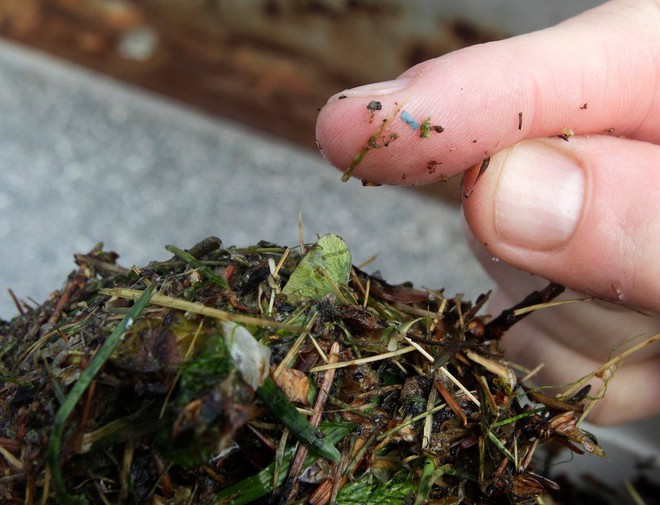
(325, 267)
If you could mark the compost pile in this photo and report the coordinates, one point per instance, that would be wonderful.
(271, 375)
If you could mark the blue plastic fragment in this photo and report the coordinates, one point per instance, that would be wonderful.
(409, 120)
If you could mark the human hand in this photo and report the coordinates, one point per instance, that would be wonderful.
(584, 213)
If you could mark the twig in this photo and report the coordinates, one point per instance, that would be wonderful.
(198, 308)
(16, 302)
(280, 406)
(613, 362)
(100, 265)
(296, 345)
(186, 356)
(301, 452)
(503, 372)
(547, 305)
(507, 318)
(301, 242)
(460, 385)
(427, 432)
(11, 459)
(195, 263)
(74, 283)
(419, 348)
(362, 361)
(453, 404)
(125, 473)
(634, 494)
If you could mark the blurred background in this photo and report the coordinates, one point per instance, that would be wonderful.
(142, 123)
(266, 63)
(146, 122)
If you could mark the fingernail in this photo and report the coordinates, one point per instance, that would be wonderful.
(374, 89)
(540, 197)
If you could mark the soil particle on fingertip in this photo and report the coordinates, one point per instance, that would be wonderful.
(566, 133)
(432, 166)
(371, 184)
(374, 105)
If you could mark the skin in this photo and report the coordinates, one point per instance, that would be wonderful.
(597, 74)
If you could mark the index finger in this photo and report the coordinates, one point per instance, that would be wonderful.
(595, 73)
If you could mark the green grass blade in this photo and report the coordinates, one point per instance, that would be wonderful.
(425, 482)
(498, 443)
(55, 441)
(298, 425)
(189, 259)
(261, 484)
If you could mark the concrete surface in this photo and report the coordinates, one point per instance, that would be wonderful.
(84, 159)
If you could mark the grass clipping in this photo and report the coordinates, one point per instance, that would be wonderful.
(263, 374)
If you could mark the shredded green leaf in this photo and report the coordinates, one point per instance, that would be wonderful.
(425, 128)
(370, 491)
(325, 267)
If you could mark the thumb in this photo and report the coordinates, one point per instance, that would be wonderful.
(582, 213)
(593, 73)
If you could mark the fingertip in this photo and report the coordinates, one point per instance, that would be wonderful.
(580, 75)
(357, 132)
(477, 192)
(339, 131)
(395, 139)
